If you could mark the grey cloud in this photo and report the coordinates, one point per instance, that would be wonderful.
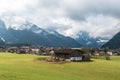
(96, 7)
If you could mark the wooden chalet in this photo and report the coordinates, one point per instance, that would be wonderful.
(70, 54)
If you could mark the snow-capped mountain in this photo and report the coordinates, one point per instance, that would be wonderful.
(4, 33)
(1, 41)
(86, 40)
(55, 33)
(31, 34)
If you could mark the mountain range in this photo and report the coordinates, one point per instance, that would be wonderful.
(87, 41)
(31, 34)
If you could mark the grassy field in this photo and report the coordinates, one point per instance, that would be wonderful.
(28, 67)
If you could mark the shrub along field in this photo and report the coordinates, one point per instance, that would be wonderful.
(29, 67)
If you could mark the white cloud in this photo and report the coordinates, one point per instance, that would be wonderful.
(15, 5)
(97, 17)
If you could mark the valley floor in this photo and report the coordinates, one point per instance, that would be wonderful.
(28, 67)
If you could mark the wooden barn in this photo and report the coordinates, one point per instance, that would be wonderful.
(61, 54)
(76, 55)
(71, 54)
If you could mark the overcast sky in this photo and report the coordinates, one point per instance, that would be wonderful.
(98, 17)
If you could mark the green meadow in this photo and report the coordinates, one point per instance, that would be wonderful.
(29, 67)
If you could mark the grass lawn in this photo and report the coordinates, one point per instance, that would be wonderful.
(28, 67)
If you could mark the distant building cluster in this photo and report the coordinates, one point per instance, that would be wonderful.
(63, 54)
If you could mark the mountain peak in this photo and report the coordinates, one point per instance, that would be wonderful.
(114, 43)
(86, 40)
(32, 34)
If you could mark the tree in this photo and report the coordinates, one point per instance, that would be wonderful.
(107, 56)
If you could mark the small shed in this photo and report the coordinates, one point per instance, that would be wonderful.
(76, 55)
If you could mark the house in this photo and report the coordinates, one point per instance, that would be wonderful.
(70, 54)
(21, 51)
(76, 55)
(2, 49)
(35, 51)
(110, 53)
(12, 49)
(79, 55)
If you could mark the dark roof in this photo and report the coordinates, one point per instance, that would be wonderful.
(63, 51)
(68, 51)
